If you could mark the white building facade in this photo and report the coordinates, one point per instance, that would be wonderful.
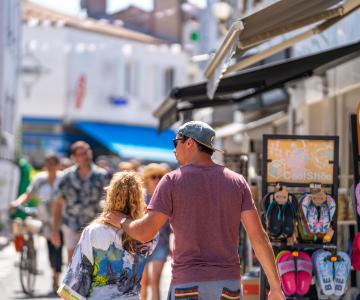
(9, 59)
(74, 75)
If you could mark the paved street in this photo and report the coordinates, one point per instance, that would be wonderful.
(9, 275)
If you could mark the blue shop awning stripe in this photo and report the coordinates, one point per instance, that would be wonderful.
(132, 141)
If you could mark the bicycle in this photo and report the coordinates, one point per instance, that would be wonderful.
(24, 231)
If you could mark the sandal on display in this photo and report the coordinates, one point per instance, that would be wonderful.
(355, 254)
(324, 271)
(342, 269)
(327, 211)
(273, 217)
(286, 266)
(318, 218)
(288, 214)
(304, 273)
(357, 198)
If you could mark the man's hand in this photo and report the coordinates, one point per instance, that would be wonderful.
(113, 218)
(55, 238)
(13, 206)
(276, 294)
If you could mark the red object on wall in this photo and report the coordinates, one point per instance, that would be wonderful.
(80, 91)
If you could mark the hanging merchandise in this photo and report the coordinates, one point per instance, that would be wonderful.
(331, 272)
(357, 198)
(355, 253)
(279, 212)
(295, 269)
(316, 213)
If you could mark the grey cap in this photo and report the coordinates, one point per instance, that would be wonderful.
(201, 132)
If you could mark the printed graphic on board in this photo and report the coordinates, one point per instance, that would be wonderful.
(300, 161)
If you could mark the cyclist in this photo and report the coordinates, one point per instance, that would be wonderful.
(42, 188)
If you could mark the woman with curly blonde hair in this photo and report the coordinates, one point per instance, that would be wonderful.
(107, 263)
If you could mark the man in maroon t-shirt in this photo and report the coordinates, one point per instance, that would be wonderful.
(205, 204)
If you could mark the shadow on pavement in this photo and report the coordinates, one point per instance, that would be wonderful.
(50, 295)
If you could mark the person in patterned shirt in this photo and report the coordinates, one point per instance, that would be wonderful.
(108, 263)
(77, 197)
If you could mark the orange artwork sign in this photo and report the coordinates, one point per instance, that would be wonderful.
(300, 161)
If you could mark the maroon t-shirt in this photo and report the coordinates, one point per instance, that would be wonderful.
(204, 205)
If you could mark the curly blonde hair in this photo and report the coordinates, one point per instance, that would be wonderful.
(124, 194)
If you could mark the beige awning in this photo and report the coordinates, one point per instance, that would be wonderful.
(235, 128)
(279, 18)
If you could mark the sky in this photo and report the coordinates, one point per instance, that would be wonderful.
(73, 6)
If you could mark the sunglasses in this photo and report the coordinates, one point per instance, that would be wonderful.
(154, 177)
(176, 141)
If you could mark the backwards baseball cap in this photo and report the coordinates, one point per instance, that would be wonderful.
(201, 132)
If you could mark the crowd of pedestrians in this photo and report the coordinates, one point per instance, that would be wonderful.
(116, 224)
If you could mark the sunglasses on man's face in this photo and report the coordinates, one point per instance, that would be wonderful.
(176, 141)
(156, 177)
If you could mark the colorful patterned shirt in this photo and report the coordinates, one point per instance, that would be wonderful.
(82, 196)
(102, 269)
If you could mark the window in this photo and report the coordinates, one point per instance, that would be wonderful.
(169, 80)
(131, 78)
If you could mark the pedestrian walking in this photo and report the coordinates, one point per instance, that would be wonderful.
(108, 263)
(77, 197)
(42, 188)
(205, 203)
(152, 174)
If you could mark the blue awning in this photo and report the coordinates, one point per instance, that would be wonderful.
(132, 141)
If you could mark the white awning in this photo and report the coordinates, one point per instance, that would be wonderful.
(235, 128)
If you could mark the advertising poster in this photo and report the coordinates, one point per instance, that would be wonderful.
(300, 161)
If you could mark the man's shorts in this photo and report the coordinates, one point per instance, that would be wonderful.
(71, 237)
(206, 290)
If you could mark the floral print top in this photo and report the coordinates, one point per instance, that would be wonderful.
(82, 195)
(102, 269)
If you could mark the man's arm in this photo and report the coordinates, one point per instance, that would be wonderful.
(143, 229)
(263, 250)
(22, 199)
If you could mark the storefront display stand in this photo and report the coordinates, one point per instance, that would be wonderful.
(331, 188)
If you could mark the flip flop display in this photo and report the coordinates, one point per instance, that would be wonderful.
(313, 215)
(342, 269)
(324, 271)
(286, 267)
(303, 274)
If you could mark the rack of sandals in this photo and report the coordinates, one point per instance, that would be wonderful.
(298, 211)
(355, 234)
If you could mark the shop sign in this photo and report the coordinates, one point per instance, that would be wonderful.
(300, 161)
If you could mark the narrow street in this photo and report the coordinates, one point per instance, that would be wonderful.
(9, 275)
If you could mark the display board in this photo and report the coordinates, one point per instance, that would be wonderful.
(300, 163)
